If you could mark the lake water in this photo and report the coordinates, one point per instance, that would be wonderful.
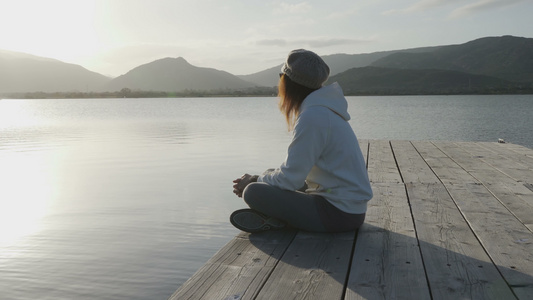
(127, 198)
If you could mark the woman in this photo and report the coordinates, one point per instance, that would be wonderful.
(323, 184)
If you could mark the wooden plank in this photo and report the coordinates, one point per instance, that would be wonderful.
(508, 242)
(456, 264)
(499, 231)
(514, 152)
(523, 292)
(517, 198)
(387, 262)
(513, 148)
(315, 266)
(511, 192)
(447, 170)
(518, 171)
(239, 269)
(381, 164)
(473, 163)
(412, 166)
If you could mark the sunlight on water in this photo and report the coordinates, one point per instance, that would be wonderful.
(24, 196)
(27, 175)
(15, 114)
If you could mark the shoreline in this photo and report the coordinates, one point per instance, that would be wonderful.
(143, 94)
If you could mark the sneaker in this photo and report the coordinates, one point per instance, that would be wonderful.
(251, 221)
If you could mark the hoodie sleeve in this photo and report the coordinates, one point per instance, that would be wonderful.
(311, 133)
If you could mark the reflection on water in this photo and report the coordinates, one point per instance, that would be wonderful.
(126, 198)
(121, 199)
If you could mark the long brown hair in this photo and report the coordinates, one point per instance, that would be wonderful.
(291, 96)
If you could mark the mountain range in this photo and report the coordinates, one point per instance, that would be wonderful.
(490, 64)
(175, 74)
(20, 72)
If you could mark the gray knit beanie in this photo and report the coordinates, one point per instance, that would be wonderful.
(306, 68)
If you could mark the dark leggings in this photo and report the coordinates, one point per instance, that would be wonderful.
(300, 210)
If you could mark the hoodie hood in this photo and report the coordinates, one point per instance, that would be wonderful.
(330, 96)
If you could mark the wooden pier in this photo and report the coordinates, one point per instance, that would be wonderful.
(449, 220)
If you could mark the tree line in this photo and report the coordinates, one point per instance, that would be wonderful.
(129, 93)
(269, 92)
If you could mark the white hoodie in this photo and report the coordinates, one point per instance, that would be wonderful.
(325, 154)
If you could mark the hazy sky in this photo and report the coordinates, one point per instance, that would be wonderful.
(242, 37)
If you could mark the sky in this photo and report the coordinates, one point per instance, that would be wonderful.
(112, 37)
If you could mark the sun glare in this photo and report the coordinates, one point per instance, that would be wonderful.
(15, 113)
(25, 194)
(25, 175)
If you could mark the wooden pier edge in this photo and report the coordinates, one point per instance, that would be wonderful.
(449, 220)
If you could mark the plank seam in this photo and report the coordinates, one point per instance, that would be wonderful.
(347, 279)
(413, 219)
(345, 288)
(397, 165)
(367, 154)
(260, 288)
(529, 186)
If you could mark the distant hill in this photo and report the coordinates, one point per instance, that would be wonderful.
(337, 63)
(506, 57)
(268, 77)
(388, 81)
(176, 74)
(21, 72)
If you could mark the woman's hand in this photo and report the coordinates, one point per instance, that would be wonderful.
(241, 183)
